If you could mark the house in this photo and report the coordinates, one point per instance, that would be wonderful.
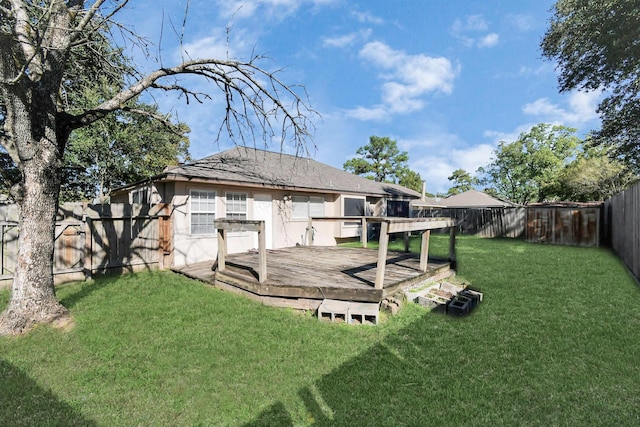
(247, 183)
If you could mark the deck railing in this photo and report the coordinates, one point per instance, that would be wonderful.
(232, 225)
(391, 225)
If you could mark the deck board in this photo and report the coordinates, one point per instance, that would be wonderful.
(314, 272)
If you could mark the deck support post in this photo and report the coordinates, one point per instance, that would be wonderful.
(424, 250)
(452, 246)
(222, 248)
(382, 254)
(262, 250)
(364, 232)
(310, 232)
(405, 235)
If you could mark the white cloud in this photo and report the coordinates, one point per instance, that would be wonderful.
(471, 158)
(347, 39)
(580, 110)
(438, 153)
(489, 40)
(368, 18)
(266, 8)
(207, 47)
(470, 23)
(466, 30)
(378, 112)
(522, 22)
(408, 78)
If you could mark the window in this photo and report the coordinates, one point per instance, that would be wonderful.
(140, 195)
(398, 208)
(353, 207)
(236, 206)
(203, 211)
(307, 206)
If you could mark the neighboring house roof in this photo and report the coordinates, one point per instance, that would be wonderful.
(474, 199)
(427, 203)
(253, 167)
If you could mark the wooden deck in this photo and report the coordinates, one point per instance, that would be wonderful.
(301, 277)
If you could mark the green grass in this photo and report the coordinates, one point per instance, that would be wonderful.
(555, 342)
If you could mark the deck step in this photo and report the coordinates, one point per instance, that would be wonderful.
(349, 312)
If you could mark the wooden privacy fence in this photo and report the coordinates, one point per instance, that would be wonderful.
(484, 222)
(571, 224)
(622, 220)
(96, 239)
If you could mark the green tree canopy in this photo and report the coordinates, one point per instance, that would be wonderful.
(462, 181)
(596, 46)
(527, 169)
(380, 160)
(594, 176)
(122, 148)
(411, 179)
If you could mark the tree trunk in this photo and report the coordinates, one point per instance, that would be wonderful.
(33, 297)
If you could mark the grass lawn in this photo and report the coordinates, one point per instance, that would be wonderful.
(555, 342)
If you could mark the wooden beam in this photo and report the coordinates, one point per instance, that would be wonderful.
(382, 254)
(424, 251)
(400, 226)
(234, 225)
(452, 246)
(364, 232)
(262, 250)
(222, 248)
(310, 232)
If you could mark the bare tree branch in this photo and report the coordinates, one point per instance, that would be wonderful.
(240, 82)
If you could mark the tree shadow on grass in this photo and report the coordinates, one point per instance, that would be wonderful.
(394, 382)
(86, 289)
(25, 403)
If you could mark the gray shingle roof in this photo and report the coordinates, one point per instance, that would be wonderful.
(474, 199)
(252, 166)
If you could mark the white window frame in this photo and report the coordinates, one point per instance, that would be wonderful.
(231, 205)
(208, 211)
(344, 213)
(141, 194)
(312, 203)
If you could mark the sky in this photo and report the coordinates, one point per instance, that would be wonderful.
(447, 80)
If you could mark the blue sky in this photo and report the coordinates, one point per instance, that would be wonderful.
(447, 80)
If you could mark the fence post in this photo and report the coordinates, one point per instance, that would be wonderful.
(88, 251)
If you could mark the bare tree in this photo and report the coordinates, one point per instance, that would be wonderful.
(41, 45)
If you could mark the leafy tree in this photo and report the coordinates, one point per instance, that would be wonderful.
(594, 176)
(380, 160)
(51, 49)
(527, 170)
(119, 149)
(411, 179)
(596, 46)
(462, 180)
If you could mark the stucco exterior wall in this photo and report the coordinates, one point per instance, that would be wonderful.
(273, 206)
(285, 230)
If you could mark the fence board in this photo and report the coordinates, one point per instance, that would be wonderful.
(564, 225)
(623, 223)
